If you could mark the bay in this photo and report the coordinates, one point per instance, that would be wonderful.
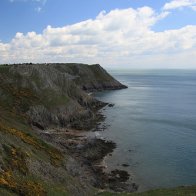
(153, 123)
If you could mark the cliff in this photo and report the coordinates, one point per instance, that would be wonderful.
(53, 94)
(36, 99)
(91, 78)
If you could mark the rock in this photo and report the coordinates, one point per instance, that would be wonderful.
(125, 165)
(119, 175)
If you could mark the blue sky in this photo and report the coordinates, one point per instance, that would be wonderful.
(35, 22)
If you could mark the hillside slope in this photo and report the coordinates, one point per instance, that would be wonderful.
(35, 99)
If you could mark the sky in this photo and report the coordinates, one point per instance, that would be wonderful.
(120, 34)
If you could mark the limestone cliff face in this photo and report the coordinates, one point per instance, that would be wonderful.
(52, 95)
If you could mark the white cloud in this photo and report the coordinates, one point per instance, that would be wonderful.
(193, 7)
(38, 9)
(122, 37)
(175, 4)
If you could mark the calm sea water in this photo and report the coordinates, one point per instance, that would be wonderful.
(153, 124)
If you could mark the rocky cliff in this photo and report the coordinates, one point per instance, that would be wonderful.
(54, 94)
(90, 78)
(34, 100)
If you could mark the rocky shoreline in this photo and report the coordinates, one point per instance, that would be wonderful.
(87, 155)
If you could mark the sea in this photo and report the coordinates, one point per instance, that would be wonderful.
(153, 123)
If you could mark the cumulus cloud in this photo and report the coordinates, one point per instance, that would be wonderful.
(122, 37)
(175, 4)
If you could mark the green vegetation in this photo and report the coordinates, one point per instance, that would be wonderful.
(20, 186)
(18, 146)
(51, 99)
(179, 191)
(55, 155)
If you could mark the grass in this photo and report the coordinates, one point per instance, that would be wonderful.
(179, 191)
(21, 98)
(99, 74)
(4, 69)
(10, 182)
(56, 157)
(17, 145)
(51, 99)
(15, 159)
(4, 192)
